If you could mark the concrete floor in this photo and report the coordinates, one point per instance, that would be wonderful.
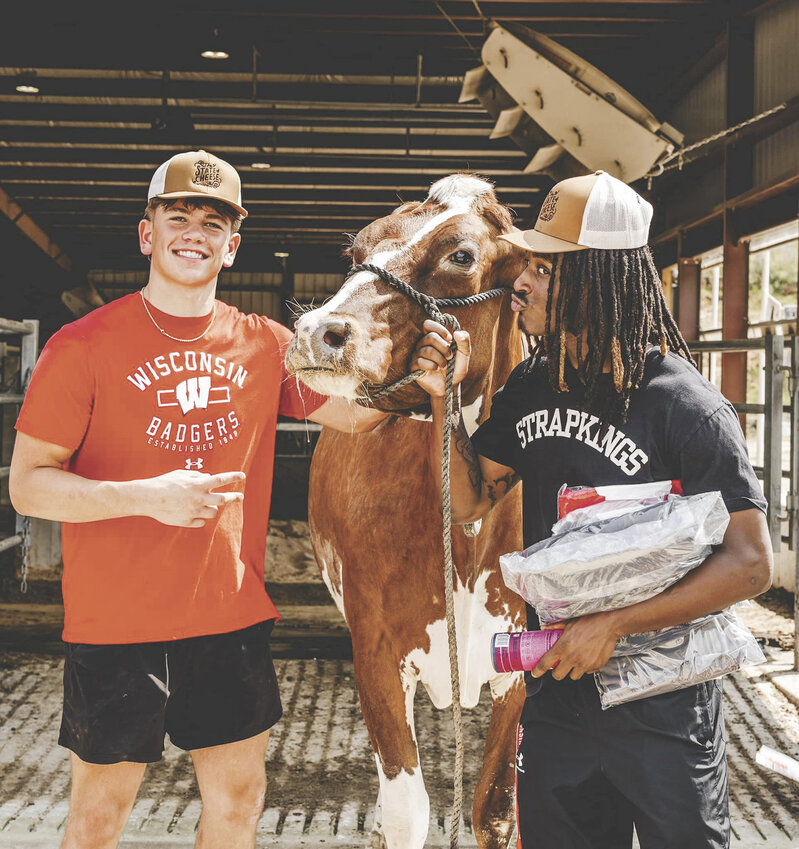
(322, 776)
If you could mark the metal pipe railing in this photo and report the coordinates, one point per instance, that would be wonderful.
(10, 542)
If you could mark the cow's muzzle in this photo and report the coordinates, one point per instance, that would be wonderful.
(323, 354)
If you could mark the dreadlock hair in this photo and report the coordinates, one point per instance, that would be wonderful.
(617, 297)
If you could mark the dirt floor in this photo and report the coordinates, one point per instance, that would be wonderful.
(770, 618)
(289, 555)
(323, 782)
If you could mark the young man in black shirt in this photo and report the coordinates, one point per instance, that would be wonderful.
(611, 396)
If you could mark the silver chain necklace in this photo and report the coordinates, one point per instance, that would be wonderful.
(169, 335)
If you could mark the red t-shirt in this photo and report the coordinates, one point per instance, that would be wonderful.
(132, 403)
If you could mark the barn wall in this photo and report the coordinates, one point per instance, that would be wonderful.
(699, 113)
(777, 80)
(702, 111)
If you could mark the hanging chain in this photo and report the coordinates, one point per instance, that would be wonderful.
(25, 530)
(25, 547)
(668, 163)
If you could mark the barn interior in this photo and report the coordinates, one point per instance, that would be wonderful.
(334, 114)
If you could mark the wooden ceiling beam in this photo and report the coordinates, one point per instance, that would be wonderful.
(202, 105)
(15, 213)
(330, 12)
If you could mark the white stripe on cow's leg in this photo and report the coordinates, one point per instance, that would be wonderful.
(405, 808)
(387, 693)
(376, 838)
(494, 796)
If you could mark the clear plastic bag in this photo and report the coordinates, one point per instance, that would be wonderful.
(615, 562)
(662, 661)
(624, 547)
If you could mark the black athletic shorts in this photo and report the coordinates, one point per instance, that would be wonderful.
(120, 700)
(585, 775)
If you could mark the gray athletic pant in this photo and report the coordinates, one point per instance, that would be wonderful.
(585, 775)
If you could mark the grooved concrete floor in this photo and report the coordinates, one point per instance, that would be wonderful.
(322, 777)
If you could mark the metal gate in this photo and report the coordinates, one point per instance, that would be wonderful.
(781, 365)
(27, 332)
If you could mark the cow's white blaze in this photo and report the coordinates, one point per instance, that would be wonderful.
(475, 627)
(456, 193)
(405, 808)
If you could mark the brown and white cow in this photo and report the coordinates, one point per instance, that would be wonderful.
(374, 504)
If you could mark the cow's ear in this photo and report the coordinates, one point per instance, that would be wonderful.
(498, 214)
(406, 207)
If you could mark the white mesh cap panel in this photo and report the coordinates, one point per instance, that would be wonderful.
(159, 180)
(615, 217)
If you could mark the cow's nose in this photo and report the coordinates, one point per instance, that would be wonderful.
(334, 333)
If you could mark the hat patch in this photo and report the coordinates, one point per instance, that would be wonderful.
(206, 174)
(548, 209)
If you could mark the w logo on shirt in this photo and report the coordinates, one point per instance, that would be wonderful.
(192, 394)
(196, 393)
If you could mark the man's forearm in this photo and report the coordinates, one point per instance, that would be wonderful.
(466, 479)
(740, 569)
(347, 416)
(61, 496)
(723, 579)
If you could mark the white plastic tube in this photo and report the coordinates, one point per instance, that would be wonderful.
(772, 759)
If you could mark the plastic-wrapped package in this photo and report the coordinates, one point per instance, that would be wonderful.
(662, 661)
(615, 546)
(615, 562)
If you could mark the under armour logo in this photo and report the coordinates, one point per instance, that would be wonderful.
(194, 464)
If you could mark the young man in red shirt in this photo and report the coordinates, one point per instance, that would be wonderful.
(148, 429)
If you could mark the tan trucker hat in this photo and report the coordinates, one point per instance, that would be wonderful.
(197, 174)
(593, 211)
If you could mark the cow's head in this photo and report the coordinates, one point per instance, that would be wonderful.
(446, 247)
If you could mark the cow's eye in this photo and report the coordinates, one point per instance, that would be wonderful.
(462, 258)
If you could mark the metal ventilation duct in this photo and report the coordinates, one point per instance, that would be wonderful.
(566, 113)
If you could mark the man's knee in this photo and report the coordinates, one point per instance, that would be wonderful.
(95, 823)
(240, 800)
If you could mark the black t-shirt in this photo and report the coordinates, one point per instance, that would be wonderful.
(679, 426)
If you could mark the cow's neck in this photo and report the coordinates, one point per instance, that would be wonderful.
(507, 352)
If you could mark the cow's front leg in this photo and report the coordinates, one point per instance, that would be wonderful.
(493, 811)
(387, 702)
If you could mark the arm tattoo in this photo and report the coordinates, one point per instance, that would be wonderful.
(507, 482)
(463, 445)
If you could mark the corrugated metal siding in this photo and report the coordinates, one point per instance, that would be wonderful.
(128, 280)
(264, 299)
(261, 303)
(703, 110)
(316, 287)
(776, 80)
(705, 191)
(231, 279)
